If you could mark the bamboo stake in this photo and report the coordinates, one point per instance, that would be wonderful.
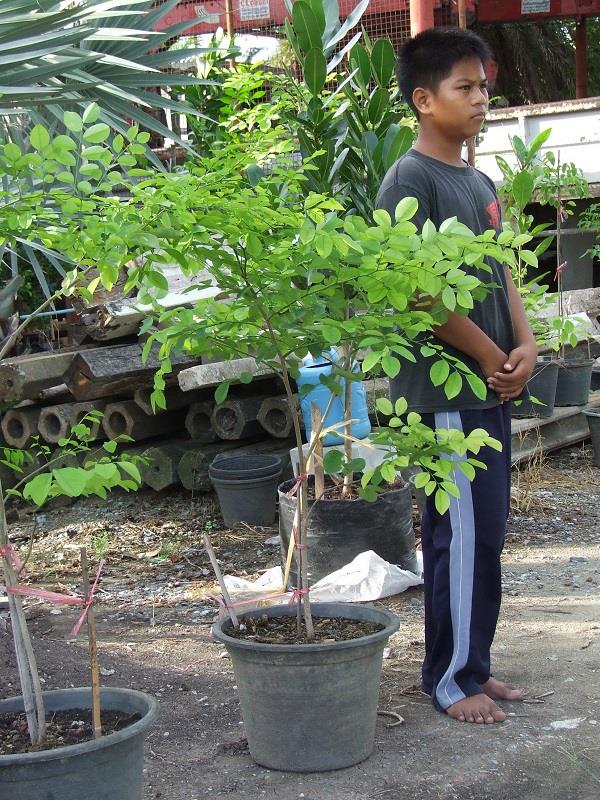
(28, 674)
(93, 648)
(315, 414)
(213, 560)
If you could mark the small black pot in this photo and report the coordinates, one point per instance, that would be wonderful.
(109, 768)
(593, 418)
(248, 490)
(542, 386)
(249, 465)
(338, 530)
(573, 385)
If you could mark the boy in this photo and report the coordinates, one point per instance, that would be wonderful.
(441, 75)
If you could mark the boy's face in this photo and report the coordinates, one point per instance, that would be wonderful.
(457, 108)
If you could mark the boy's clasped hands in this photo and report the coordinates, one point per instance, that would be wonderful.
(509, 381)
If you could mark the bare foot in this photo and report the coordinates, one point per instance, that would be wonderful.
(498, 690)
(479, 708)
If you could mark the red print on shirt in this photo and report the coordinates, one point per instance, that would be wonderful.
(494, 213)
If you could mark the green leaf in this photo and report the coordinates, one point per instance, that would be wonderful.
(406, 209)
(71, 480)
(385, 406)
(528, 257)
(73, 121)
(91, 113)
(246, 377)
(420, 479)
(39, 137)
(315, 70)
(383, 61)
(331, 334)
(397, 142)
(97, 133)
(221, 392)
(449, 298)
(382, 218)
(306, 26)
(359, 59)
(400, 406)
(333, 460)
(370, 360)
(378, 104)
(323, 245)
(537, 142)
(478, 387)
(391, 366)
(453, 385)
(38, 488)
(438, 372)
(442, 501)
(522, 188)
(131, 469)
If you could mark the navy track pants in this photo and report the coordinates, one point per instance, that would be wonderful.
(461, 560)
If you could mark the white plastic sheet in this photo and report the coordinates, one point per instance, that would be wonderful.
(368, 577)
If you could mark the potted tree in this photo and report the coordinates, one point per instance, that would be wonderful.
(297, 276)
(110, 764)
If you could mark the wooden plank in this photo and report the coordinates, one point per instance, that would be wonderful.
(117, 370)
(25, 377)
(567, 426)
(207, 375)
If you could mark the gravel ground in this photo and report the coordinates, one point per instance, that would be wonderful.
(154, 619)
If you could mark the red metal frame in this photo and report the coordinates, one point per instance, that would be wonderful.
(484, 10)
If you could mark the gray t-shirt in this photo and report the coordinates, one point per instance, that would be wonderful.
(445, 191)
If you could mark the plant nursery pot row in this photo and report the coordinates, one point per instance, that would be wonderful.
(554, 383)
(108, 768)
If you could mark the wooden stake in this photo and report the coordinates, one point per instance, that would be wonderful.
(213, 560)
(28, 672)
(315, 416)
(93, 648)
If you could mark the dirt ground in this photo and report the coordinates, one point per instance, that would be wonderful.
(154, 627)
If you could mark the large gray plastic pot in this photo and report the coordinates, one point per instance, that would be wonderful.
(109, 768)
(310, 707)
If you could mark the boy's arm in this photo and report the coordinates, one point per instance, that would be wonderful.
(463, 334)
(509, 381)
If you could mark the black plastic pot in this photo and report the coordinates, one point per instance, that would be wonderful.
(338, 530)
(242, 467)
(542, 386)
(573, 385)
(593, 418)
(252, 499)
(109, 768)
(310, 707)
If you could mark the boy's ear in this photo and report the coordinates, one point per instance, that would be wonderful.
(422, 100)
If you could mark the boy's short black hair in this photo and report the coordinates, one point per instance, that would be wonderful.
(428, 58)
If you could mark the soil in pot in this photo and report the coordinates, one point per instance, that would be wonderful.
(62, 729)
(284, 630)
